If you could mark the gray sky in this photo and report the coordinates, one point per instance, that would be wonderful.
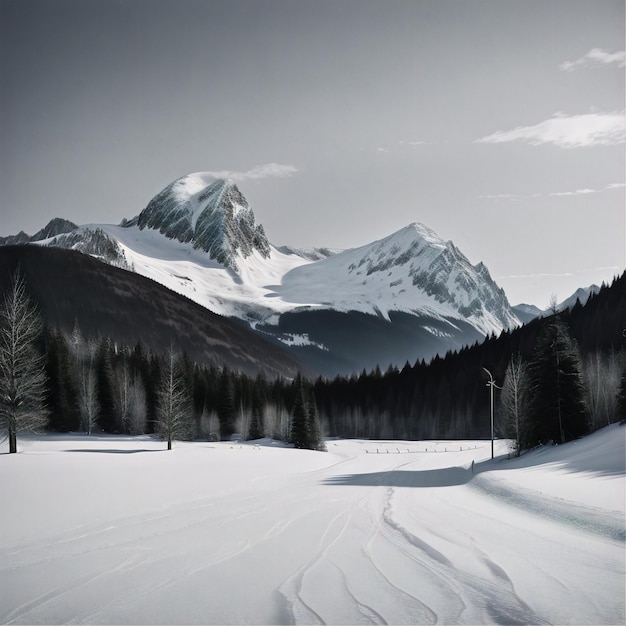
(499, 124)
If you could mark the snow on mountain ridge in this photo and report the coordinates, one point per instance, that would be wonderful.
(209, 212)
(198, 237)
(412, 270)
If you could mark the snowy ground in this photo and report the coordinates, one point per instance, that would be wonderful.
(118, 530)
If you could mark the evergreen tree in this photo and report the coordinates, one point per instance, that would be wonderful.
(62, 399)
(257, 425)
(107, 418)
(557, 406)
(316, 441)
(299, 434)
(152, 381)
(226, 404)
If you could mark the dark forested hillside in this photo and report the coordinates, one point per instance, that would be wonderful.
(448, 397)
(70, 287)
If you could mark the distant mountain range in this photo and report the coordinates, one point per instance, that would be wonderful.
(407, 296)
(527, 312)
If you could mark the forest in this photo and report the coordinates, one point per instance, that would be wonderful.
(556, 378)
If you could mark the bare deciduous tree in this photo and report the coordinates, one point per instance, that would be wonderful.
(88, 390)
(514, 400)
(22, 375)
(602, 375)
(173, 415)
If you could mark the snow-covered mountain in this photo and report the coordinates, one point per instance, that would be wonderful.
(210, 213)
(199, 238)
(582, 294)
(412, 270)
(528, 312)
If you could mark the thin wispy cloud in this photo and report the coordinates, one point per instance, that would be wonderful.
(612, 268)
(597, 57)
(267, 170)
(586, 270)
(575, 192)
(421, 143)
(568, 131)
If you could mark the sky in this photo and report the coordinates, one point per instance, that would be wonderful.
(497, 123)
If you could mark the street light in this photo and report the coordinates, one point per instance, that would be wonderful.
(491, 384)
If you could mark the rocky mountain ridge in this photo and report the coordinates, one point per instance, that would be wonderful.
(199, 237)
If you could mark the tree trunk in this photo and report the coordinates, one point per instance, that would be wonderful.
(12, 441)
(169, 443)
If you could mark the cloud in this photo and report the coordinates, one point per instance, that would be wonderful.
(576, 192)
(568, 131)
(267, 170)
(422, 143)
(612, 268)
(596, 58)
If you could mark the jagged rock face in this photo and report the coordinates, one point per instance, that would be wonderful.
(441, 270)
(310, 254)
(15, 240)
(210, 213)
(56, 226)
(92, 241)
(412, 270)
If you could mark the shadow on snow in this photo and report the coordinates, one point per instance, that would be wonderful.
(112, 450)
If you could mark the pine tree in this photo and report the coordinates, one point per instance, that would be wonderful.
(299, 435)
(22, 372)
(257, 425)
(62, 399)
(316, 441)
(107, 418)
(226, 404)
(557, 408)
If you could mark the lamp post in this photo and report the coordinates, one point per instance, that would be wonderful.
(491, 384)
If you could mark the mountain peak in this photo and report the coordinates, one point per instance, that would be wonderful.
(412, 270)
(209, 212)
(56, 226)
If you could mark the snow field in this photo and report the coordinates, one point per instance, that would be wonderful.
(118, 530)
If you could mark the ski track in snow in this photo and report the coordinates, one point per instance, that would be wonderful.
(220, 534)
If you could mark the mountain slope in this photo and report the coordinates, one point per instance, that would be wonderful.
(108, 301)
(412, 270)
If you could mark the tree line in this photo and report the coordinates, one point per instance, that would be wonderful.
(560, 377)
(68, 383)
